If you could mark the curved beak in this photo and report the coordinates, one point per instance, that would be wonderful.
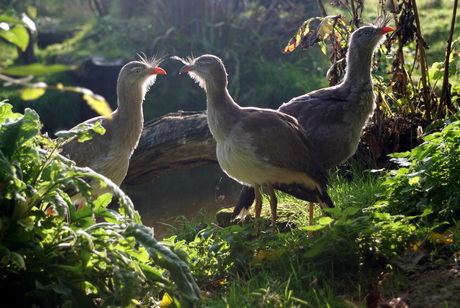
(386, 30)
(186, 68)
(158, 71)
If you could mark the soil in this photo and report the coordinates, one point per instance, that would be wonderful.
(435, 288)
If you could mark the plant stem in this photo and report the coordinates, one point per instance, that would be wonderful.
(421, 49)
(321, 8)
(445, 93)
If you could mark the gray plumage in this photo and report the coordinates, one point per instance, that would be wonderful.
(333, 117)
(256, 146)
(109, 154)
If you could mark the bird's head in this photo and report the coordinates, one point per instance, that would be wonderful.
(140, 74)
(207, 70)
(371, 35)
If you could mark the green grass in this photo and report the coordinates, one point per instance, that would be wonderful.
(346, 257)
(285, 269)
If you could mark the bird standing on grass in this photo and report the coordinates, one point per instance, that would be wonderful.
(109, 154)
(255, 146)
(333, 117)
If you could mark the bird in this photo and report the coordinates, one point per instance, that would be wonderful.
(108, 154)
(256, 146)
(334, 117)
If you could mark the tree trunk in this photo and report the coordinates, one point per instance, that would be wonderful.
(173, 142)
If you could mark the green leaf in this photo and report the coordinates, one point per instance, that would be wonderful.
(15, 133)
(187, 291)
(98, 104)
(10, 20)
(36, 69)
(6, 112)
(32, 11)
(16, 35)
(325, 220)
(29, 94)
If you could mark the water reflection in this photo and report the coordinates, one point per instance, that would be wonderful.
(186, 193)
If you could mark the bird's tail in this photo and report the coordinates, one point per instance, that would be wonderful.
(303, 192)
(247, 196)
(244, 202)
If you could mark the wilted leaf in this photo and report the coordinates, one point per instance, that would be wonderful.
(29, 94)
(439, 238)
(36, 69)
(98, 104)
(166, 300)
(263, 255)
(16, 35)
(305, 37)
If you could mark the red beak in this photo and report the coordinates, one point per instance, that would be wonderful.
(386, 30)
(158, 71)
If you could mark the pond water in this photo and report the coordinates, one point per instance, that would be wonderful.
(189, 193)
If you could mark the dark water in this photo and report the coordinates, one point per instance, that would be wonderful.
(189, 193)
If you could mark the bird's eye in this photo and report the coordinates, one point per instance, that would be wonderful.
(137, 71)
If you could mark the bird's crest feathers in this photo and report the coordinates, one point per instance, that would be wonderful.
(380, 22)
(153, 61)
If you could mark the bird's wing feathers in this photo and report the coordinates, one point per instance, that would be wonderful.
(99, 144)
(324, 106)
(292, 150)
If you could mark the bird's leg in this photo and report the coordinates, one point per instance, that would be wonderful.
(257, 207)
(273, 203)
(310, 233)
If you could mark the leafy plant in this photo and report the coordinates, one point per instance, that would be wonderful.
(53, 255)
(428, 179)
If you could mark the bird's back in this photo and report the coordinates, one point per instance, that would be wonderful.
(333, 119)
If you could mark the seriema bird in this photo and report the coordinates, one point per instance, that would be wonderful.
(109, 154)
(334, 117)
(255, 146)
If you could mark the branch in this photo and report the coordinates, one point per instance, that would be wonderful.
(173, 142)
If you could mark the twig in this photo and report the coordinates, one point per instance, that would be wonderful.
(321, 8)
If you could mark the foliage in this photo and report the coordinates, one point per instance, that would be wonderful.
(15, 32)
(428, 179)
(53, 255)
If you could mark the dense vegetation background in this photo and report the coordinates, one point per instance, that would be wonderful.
(387, 225)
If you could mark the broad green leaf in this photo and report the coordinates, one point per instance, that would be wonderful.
(414, 180)
(36, 69)
(14, 134)
(6, 112)
(325, 220)
(29, 94)
(16, 35)
(18, 259)
(32, 11)
(98, 104)
(9, 19)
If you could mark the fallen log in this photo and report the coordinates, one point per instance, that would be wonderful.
(176, 141)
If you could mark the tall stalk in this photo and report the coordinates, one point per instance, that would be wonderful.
(423, 64)
(446, 102)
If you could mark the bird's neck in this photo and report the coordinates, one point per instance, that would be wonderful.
(222, 112)
(358, 71)
(128, 118)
